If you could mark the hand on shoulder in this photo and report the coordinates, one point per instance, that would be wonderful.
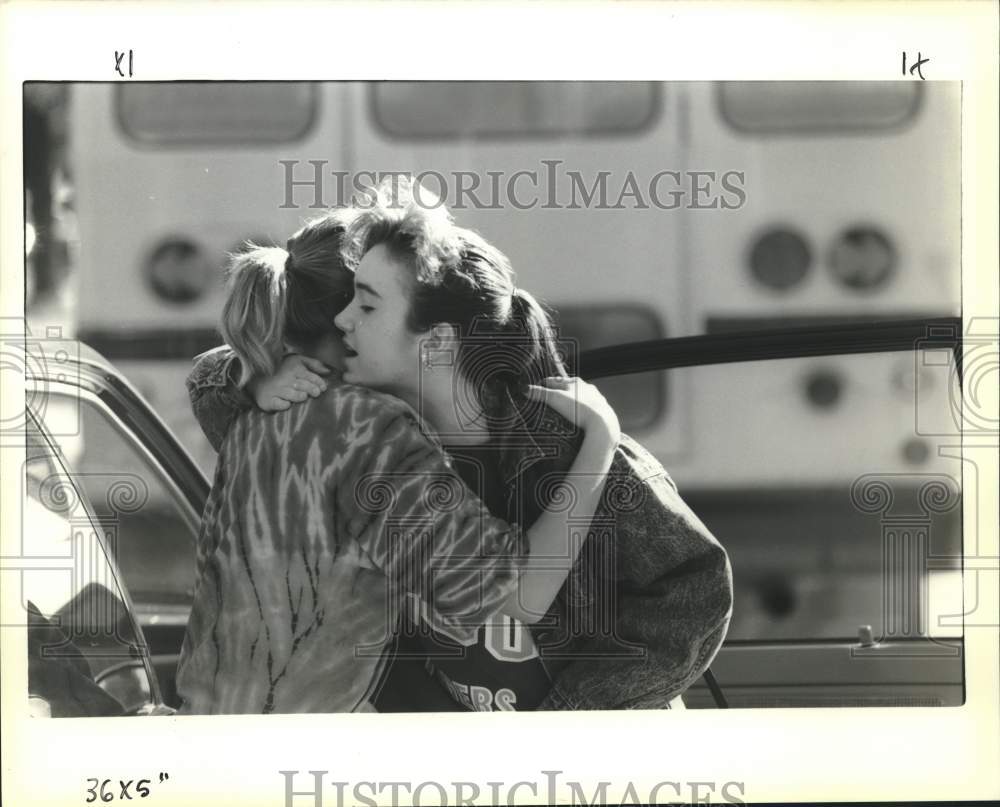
(297, 379)
(581, 403)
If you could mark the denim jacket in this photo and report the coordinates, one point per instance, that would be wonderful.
(648, 602)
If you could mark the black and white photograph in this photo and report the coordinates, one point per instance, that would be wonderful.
(439, 397)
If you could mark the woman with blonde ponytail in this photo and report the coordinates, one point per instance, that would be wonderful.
(253, 316)
(323, 520)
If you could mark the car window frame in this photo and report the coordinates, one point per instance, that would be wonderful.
(837, 338)
(56, 457)
(94, 374)
(163, 613)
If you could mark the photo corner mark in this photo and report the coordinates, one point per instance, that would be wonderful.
(914, 67)
(120, 66)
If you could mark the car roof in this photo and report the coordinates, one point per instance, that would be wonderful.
(51, 358)
(90, 356)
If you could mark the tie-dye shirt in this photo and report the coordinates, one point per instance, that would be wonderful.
(320, 520)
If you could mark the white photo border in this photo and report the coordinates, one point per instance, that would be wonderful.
(911, 754)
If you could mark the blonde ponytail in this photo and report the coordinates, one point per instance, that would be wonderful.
(253, 316)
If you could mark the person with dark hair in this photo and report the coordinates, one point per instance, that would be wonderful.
(438, 320)
(324, 519)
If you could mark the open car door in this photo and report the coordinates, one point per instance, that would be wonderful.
(140, 490)
(87, 655)
(845, 542)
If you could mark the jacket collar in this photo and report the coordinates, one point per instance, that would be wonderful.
(519, 440)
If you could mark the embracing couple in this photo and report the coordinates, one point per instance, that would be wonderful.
(414, 507)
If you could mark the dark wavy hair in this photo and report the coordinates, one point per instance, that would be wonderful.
(507, 339)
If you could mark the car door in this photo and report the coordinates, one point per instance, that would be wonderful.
(146, 497)
(847, 564)
(87, 655)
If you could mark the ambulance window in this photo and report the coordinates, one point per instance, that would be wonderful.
(640, 399)
(817, 107)
(487, 109)
(216, 113)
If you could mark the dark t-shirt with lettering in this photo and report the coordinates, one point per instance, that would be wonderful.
(501, 671)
